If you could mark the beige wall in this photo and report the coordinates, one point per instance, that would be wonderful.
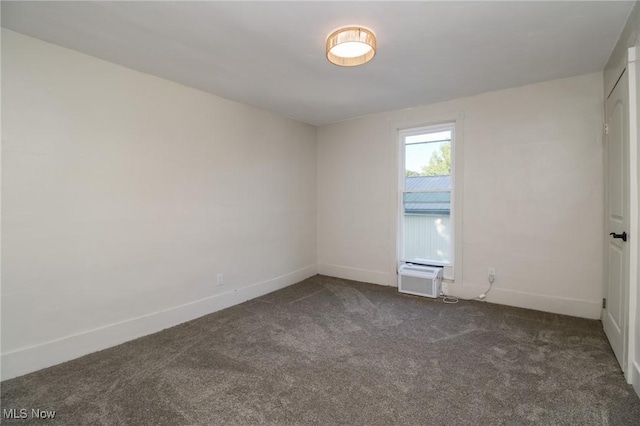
(532, 198)
(124, 195)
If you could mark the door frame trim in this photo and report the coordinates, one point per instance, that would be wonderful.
(634, 209)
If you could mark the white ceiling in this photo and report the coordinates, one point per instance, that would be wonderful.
(271, 54)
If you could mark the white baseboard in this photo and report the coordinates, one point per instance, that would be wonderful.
(539, 302)
(357, 274)
(27, 360)
(635, 377)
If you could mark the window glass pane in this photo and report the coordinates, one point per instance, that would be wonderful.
(427, 198)
(427, 229)
(427, 203)
(428, 137)
(428, 154)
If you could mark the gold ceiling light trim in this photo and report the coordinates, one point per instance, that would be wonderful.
(351, 46)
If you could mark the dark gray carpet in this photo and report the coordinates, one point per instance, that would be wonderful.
(331, 351)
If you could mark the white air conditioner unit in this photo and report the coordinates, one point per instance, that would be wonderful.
(420, 280)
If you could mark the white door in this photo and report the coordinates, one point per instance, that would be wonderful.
(615, 314)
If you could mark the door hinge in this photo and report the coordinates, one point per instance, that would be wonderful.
(606, 129)
(604, 303)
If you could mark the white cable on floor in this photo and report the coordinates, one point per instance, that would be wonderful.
(479, 298)
(483, 296)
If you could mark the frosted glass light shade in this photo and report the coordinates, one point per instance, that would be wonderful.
(351, 46)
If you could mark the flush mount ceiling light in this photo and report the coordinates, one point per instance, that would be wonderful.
(351, 46)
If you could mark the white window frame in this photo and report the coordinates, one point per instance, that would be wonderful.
(452, 270)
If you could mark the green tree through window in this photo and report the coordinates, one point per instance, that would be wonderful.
(439, 163)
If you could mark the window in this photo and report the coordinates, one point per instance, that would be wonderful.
(427, 194)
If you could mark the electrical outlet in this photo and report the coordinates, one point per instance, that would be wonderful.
(492, 274)
(444, 288)
(220, 279)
